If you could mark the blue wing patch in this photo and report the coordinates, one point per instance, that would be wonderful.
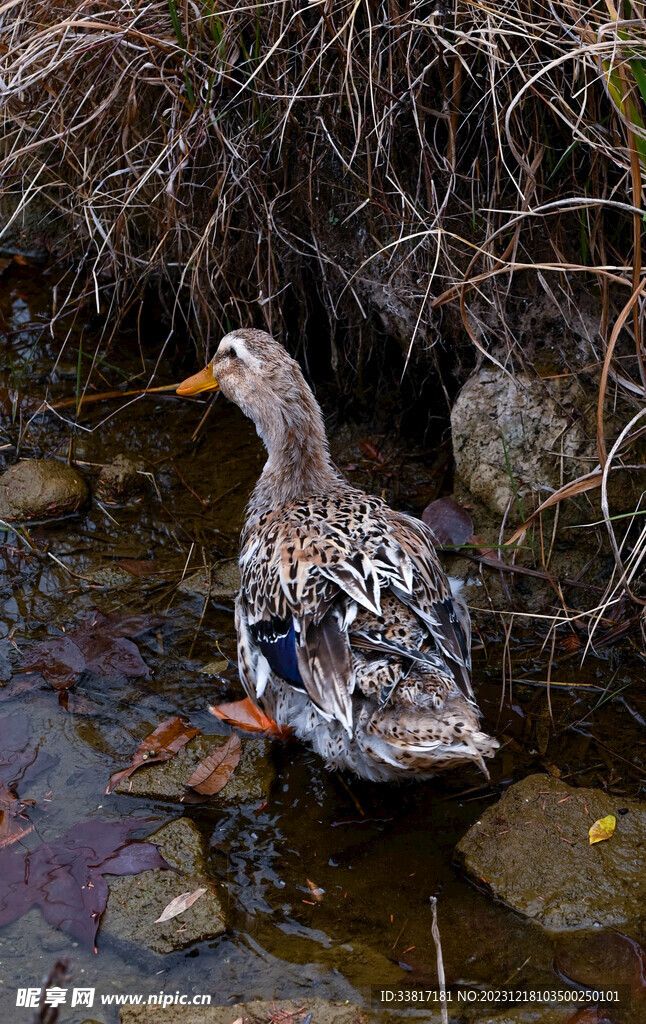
(276, 639)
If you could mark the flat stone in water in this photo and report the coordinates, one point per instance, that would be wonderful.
(121, 480)
(136, 901)
(255, 1012)
(532, 850)
(251, 780)
(40, 489)
(222, 583)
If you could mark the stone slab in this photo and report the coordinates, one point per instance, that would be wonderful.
(532, 851)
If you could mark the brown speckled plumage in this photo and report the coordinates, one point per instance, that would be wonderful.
(381, 679)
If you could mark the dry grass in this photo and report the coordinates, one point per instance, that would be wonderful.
(222, 147)
(262, 163)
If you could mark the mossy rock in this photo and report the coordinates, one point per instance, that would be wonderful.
(40, 489)
(222, 583)
(532, 851)
(251, 780)
(136, 901)
(121, 481)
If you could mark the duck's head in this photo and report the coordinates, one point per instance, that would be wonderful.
(254, 371)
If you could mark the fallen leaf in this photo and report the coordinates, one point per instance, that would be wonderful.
(59, 660)
(160, 745)
(315, 890)
(58, 977)
(215, 770)
(602, 829)
(19, 763)
(99, 645)
(11, 808)
(139, 567)
(371, 450)
(245, 715)
(179, 905)
(65, 877)
(450, 522)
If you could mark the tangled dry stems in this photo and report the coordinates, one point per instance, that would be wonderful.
(404, 158)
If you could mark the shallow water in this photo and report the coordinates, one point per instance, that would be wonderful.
(378, 852)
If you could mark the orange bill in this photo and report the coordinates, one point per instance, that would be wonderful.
(202, 381)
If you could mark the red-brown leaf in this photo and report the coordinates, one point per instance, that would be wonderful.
(139, 567)
(11, 828)
(450, 522)
(98, 645)
(160, 745)
(64, 877)
(245, 715)
(215, 770)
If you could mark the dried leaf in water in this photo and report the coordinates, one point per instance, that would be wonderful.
(316, 892)
(245, 715)
(99, 645)
(179, 905)
(19, 763)
(13, 826)
(58, 660)
(602, 829)
(65, 877)
(213, 773)
(160, 745)
(139, 567)
(450, 522)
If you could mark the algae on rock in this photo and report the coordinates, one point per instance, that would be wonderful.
(532, 850)
(136, 901)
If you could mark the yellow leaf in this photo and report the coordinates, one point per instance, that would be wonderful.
(602, 829)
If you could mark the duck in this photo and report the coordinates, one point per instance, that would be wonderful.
(349, 631)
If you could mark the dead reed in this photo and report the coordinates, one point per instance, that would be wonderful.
(419, 167)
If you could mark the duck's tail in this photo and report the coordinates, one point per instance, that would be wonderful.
(423, 742)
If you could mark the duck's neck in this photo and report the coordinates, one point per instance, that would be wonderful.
(298, 463)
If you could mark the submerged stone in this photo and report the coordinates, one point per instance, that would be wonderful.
(40, 489)
(257, 1011)
(136, 901)
(222, 583)
(532, 850)
(323, 1011)
(251, 780)
(120, 481)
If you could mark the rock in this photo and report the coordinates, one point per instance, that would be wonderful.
(255, 1012)
(251, 780)
(136, 901)
(108, 575)
(533, 852)
(224, 581)
(536, 1014)
(121, 481)
(541, 426)
(40, 489)
(602, 959)
(180, 844)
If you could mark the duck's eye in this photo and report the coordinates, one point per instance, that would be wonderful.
(232, 353)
